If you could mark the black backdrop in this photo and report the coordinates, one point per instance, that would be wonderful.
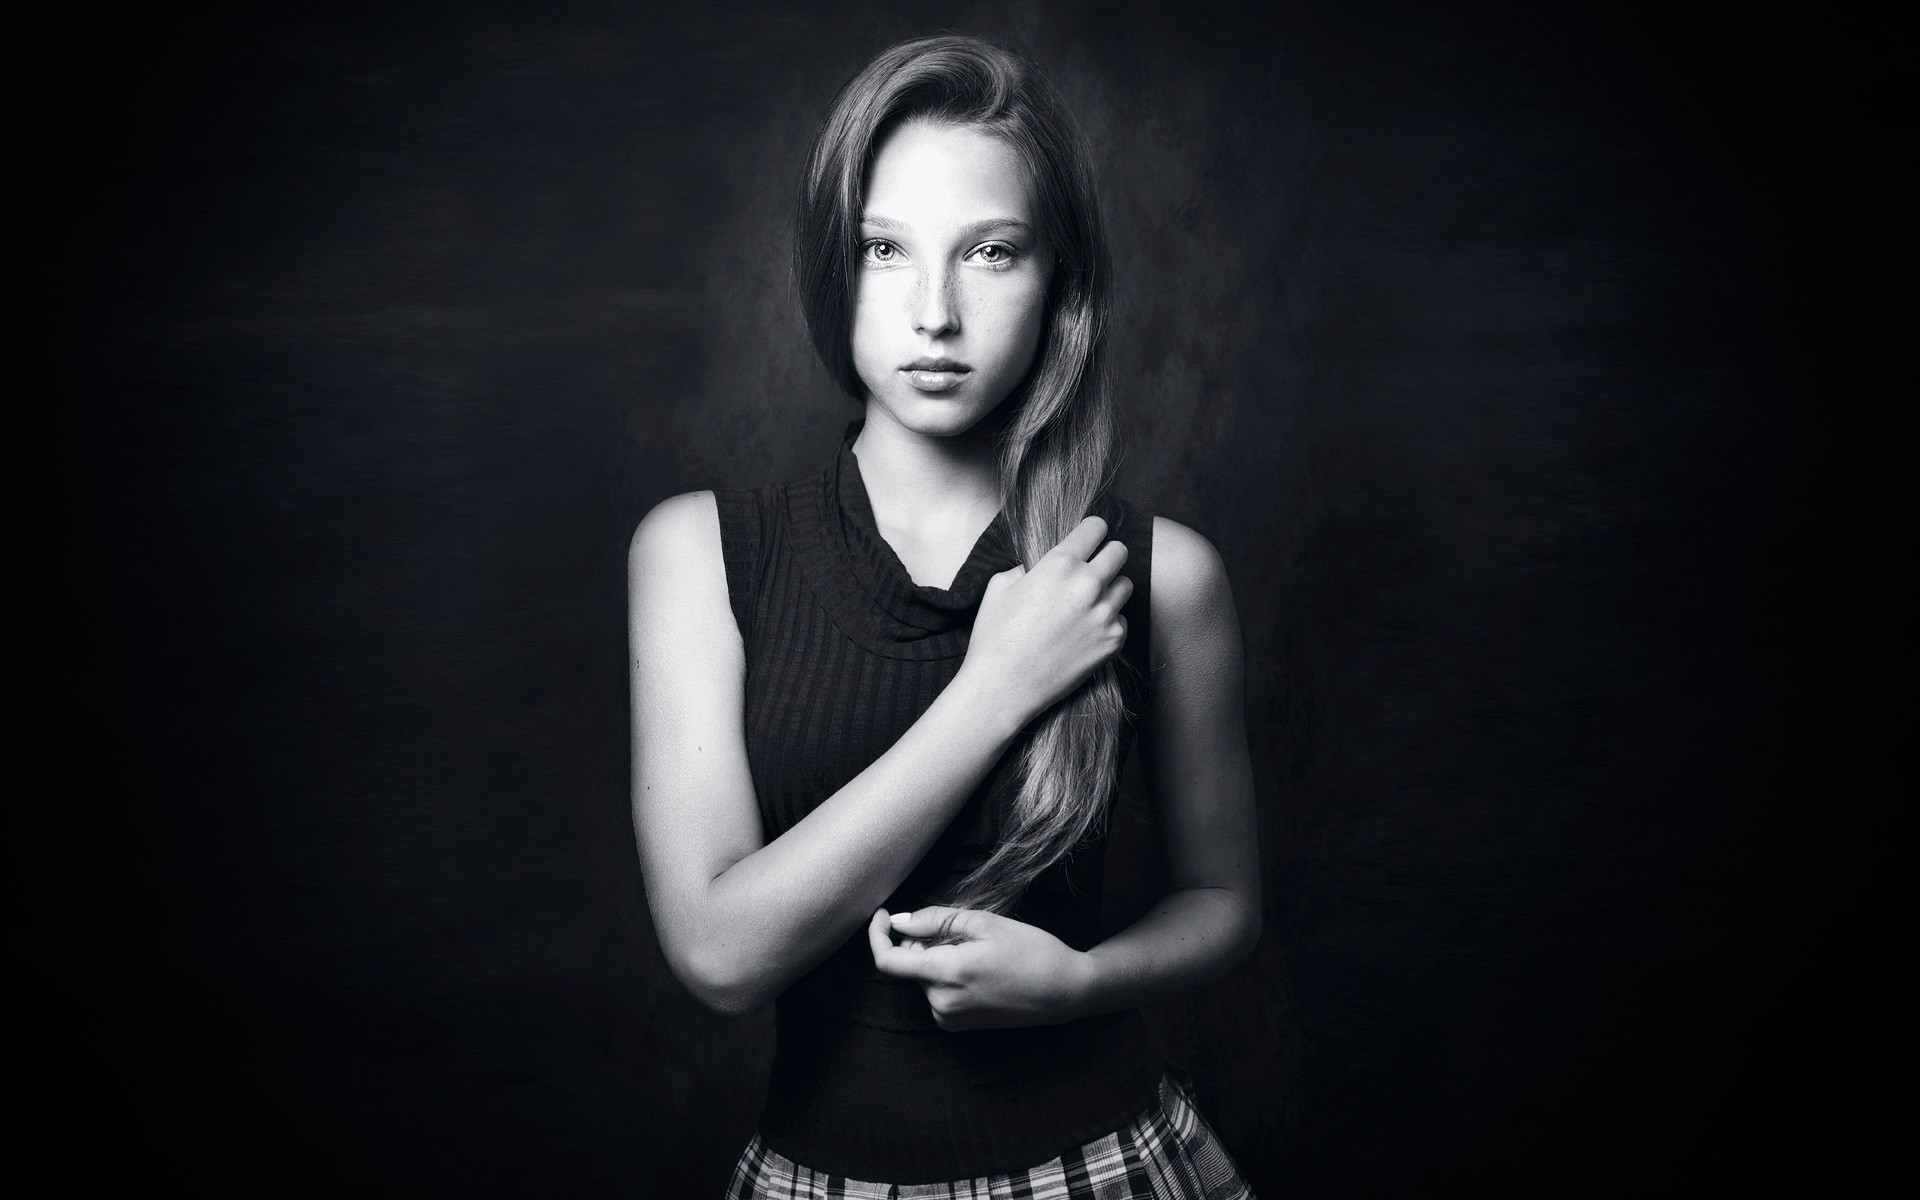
(1503, 353)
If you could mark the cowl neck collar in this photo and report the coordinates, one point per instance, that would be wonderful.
(862, 581)
(884, 577)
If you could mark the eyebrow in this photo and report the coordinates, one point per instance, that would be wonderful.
(973, 230)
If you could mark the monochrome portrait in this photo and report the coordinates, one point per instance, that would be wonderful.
(1004, 599)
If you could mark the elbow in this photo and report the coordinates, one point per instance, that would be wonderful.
(728, 1001)
(1249, 930)
(1243, 931)
(721, 983)
(720, 965)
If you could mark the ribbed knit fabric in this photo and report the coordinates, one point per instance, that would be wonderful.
(844, 653)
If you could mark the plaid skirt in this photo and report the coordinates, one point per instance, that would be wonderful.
(1168, 1152)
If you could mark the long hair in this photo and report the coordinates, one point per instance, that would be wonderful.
(1059, 452)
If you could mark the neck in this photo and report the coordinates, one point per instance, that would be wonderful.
(925, 485)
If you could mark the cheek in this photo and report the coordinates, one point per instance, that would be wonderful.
(1017, 317)
(875, 313)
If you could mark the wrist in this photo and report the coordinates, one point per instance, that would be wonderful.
(1082, 986)
(989, 703)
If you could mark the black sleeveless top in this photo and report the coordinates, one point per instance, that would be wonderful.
(844, 653)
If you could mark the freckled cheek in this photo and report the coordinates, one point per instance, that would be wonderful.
(878, 331)
(1009, 321)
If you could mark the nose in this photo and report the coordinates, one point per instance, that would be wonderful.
(936, 309)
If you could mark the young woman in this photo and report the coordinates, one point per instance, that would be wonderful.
(879, 712)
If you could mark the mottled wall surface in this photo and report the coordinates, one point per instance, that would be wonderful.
(1494, 350)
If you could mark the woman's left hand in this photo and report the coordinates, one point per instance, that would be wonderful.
(981, 970)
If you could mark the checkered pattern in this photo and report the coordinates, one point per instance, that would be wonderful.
(1169, 1152)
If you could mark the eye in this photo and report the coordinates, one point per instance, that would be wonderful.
(996, 254)
(879, 250)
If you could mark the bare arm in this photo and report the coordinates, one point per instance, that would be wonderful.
(1195, 754)
(997, 971)
(740, 919)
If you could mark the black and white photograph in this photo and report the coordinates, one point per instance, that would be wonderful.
(1019, 599)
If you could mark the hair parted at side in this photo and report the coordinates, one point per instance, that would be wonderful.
(1059, 453)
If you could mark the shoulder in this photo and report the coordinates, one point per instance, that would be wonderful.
(1192, 596)
(678, 530)
(1188, 573)
(678, 602)
(677, 555)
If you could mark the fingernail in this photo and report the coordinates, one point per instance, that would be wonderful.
(902, 918)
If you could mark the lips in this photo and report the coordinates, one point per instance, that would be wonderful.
(935, 374)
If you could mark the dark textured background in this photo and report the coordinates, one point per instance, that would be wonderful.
(1510, 358)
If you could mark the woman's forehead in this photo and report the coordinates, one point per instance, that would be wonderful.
(929, 176)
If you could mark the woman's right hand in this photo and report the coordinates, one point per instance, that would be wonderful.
(1040, 633)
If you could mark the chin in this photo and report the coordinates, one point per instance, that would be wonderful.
(942, 416)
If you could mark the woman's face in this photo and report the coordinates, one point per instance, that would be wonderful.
(952, 279)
